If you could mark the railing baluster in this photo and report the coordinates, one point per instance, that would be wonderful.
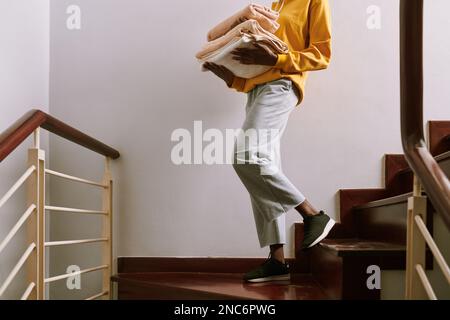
(96, 296)
(24, 258)
(425, 282)
(433, 247)
(73, 178)
(17, 185)
(28, 291)
(74, 210)
(17, 226)
(70, 242)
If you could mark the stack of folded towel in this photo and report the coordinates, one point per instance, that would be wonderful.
(255, 23)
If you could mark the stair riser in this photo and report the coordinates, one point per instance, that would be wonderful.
(400, 184)
(386, 223)
(327, 270)
(438, 130)
(393, 163)
(349, 198)
(194, 264)
(343, 277)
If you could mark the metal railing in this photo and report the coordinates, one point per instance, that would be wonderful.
(427, 173)
(34, 216)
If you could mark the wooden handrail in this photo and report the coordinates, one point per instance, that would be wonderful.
(21, 129)
(433, 179)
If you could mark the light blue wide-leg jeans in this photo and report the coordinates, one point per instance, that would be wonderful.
(257, 158)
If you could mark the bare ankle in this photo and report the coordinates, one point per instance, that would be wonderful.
(306, 209)
(311, 214)
(277, 253)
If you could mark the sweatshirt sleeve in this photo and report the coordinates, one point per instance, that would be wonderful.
(318, 54)
(238, 84)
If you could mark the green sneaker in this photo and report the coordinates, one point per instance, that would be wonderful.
(270, 270)
(316, 229)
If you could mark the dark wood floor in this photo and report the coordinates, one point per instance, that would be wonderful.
(223, 285)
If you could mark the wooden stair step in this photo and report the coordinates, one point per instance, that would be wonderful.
(380, 213)
(385, 219)
(200, 285)
(402, 181)
(340, 265)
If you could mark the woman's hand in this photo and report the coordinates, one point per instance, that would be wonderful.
(258, 55)
(220, 71)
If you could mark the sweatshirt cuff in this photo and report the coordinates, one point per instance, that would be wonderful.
(238, 83)
(281, 60)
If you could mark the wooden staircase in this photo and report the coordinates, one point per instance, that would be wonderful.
(372, 231)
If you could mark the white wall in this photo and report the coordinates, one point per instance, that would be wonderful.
(129, 78)
(24, 65)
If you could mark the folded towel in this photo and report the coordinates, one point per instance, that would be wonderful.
(224, 58)
(251, 27)
(264, 15)
(243, 35)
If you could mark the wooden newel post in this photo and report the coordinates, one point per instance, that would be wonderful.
(415, 243)
(107, 254)
(36, 222)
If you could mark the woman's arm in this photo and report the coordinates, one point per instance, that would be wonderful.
(318, 54)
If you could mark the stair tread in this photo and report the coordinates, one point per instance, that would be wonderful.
(355, 246)
(385, 201)
(300, 287)
(443, 156)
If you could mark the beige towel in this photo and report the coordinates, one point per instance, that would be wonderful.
(250, 27)
(264, 15)
(241, 36)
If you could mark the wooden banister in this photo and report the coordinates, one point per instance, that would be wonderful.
(12, 137)
(433, 179)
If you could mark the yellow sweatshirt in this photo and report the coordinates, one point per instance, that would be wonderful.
(305, 26)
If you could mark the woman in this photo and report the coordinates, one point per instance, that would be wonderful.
(305, 28)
